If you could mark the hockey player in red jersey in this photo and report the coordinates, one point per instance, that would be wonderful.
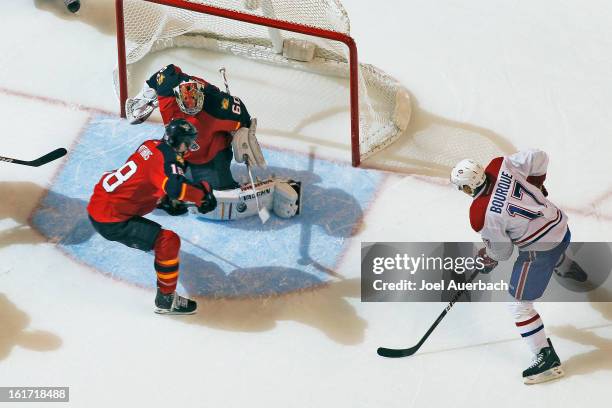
(511, 208)
(122, 197)
(214, 113)
(225, 130)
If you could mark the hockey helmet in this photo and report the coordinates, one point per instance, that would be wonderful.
(190, 96)
(180, 131)
(468, 173)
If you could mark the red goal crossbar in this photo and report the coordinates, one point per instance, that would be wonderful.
(263, 21)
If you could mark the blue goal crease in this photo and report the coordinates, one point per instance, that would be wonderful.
(235, 258)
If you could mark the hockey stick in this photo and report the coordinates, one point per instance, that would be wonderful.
(264, 214)
(49, 157)
(396, 353)
(222, 72)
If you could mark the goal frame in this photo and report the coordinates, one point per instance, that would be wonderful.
(263, 21)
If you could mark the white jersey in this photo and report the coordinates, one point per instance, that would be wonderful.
(512, 210)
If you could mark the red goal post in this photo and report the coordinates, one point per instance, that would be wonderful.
(205, 7)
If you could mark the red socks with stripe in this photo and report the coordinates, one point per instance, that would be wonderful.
(166, 249)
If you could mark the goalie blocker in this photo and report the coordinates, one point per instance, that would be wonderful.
(246, 147)
(281, 196)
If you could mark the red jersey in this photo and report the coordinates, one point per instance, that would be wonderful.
(134, 189)
(221, 113)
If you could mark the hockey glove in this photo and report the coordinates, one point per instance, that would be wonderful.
(139, 108)
(489, 263)
(172, 207)
(209, 202)
(246, 147)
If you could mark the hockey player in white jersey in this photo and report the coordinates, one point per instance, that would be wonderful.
(510, 208)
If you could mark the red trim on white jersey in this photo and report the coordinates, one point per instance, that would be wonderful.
(478, 209)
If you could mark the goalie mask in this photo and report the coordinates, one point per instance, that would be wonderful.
(190, 97)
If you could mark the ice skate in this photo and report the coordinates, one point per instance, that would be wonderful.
(575, 272)
(546, 366)
(174, 304)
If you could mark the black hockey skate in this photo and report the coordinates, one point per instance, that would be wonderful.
(73, 5)
(174, 304)
(546, 366)
(575, 272)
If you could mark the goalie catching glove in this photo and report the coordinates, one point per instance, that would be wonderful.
(139, 108)
(246, 147)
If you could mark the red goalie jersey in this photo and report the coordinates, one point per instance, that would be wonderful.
(221, 113)
(134, 189)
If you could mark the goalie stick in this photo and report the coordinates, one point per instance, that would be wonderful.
(264, 214)
(396, 353)
(222, 72)
(49, 157)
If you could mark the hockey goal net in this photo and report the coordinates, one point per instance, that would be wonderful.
(310, 38)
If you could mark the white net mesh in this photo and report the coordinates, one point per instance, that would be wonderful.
(384, 105)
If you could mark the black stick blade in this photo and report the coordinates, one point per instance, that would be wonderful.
(396, 353)
(49, 157)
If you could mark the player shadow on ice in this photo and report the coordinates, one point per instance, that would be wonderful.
(249, 299)
(245, 299)
(15, 332)
(99, 14)
(601, 357)
(62, 219)
(324, 308)
(19, 199)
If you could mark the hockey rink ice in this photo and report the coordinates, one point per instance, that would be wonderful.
(280, 322)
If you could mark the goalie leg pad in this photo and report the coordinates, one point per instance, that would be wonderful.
(240, 202)
(245, 144)
(281, 196)
(287, 195)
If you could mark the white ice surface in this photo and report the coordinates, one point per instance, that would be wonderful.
(536, 74)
